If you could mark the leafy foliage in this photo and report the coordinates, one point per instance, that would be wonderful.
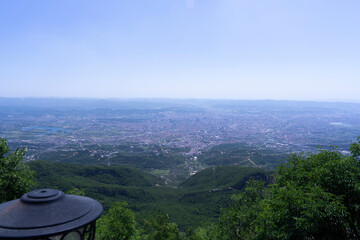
(314, 196)
(158, 228)
(119, 223)
(15, 176)
(237, 222)
(207, 232)
(355, 148)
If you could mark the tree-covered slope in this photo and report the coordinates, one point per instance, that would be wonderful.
(211, 189)
(106, 184)
(120, 175)
(198, 199)
(221, 177)
(143, 160)
(242, 155)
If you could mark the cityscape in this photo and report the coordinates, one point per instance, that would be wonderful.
(188, 127)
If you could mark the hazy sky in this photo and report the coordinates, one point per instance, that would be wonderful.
(230, 49)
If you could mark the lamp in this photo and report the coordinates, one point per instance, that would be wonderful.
(49, 214)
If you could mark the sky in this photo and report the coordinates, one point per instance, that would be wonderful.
(208, 49)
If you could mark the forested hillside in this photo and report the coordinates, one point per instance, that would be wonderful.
(195, 201)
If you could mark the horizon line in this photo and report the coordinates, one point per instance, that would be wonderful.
(184, 99)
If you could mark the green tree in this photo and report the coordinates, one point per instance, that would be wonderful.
(206, 232)
(118, 224)
(15, 176)
(315, 196)
(355, 148)
(159, 228)
(237, 222)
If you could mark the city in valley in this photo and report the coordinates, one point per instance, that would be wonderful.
(167, 135)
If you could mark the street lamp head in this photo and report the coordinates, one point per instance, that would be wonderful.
(49, 214)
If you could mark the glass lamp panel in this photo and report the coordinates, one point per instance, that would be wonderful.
(74, 235)
(85, 233)
(58, 237)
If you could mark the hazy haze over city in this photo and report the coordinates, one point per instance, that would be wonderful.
(220, 49)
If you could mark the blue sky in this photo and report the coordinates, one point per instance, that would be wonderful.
(219, 49)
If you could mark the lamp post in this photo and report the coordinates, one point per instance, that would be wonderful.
(49, 214)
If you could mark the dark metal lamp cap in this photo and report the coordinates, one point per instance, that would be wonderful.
(46, 212)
